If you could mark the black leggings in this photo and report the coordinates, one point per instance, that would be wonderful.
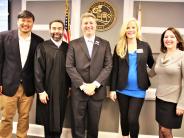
(130, 108)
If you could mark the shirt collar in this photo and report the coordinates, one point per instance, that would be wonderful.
(25, 39)
(57, 43)
(92, 39)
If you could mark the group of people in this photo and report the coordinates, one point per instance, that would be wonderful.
(52, 68)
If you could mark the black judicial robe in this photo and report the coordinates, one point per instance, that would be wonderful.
(51, 76)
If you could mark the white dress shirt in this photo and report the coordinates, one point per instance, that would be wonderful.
(24, 46)
(89, 43)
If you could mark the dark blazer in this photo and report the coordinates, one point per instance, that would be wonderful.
(119, 75)
(11, 71)
(81, 68)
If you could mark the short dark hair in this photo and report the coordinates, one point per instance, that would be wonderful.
(180, 44)
(26, 14)
(57, 20)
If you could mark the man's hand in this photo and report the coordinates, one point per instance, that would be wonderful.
(88, 88)
(43, 97)
(1, 90)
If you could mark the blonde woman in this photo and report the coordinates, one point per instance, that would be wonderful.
(129, 80)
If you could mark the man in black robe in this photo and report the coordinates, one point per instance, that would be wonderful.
(51, 81)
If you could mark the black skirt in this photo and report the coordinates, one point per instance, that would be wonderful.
(166, 114)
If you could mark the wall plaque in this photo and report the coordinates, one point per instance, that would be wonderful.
(104, 13)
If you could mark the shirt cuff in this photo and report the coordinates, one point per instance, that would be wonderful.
(97, 84)
(82, 87)
(41, 92)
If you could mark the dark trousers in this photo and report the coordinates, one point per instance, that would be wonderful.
(49, 134)
(80, 110)
(130, 108)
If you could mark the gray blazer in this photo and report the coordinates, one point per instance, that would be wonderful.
(81, 68)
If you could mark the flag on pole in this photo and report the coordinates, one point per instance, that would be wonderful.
(66, 36)
(139, 17)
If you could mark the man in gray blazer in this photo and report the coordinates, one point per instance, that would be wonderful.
(88, 63)
(17, 48)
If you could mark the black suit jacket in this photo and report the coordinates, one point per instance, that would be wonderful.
(11, 71)
(119, 75)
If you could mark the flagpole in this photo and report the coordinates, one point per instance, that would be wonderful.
(68, 10)
(66, 36)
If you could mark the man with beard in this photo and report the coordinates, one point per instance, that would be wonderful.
(17, 48)
(51, 81)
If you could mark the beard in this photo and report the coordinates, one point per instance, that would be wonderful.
(56, 36)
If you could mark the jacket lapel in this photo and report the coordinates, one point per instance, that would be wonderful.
(95, 47)
(16, 47)
(31, 50)
(139, 46)
(126, 57)
(83, 45)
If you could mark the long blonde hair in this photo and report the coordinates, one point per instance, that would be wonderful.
(121, 48)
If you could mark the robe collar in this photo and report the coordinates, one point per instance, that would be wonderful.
(57, 43)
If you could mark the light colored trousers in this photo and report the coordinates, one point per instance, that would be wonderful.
(9, 105)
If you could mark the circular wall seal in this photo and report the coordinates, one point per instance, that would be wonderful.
(104, 13)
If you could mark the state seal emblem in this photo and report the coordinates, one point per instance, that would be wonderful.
(104, 13)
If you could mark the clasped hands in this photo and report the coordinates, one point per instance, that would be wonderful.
(88, 88)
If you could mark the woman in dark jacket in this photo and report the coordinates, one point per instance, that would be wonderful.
(129, 80)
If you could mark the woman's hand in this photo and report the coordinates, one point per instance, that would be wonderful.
(113, 96)
(179, 111)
